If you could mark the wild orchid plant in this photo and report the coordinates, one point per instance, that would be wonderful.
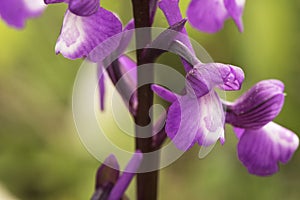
(197, 114)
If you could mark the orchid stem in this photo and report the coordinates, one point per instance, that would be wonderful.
(146, 182)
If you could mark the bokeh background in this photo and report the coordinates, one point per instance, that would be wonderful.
(41, 156)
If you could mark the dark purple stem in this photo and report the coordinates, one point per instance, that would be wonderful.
(146, 182)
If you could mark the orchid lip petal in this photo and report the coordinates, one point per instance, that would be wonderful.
(261, 150)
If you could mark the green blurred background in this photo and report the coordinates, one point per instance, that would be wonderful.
(41, 156)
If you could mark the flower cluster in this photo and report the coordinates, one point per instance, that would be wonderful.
(195, 116)
(198, 115)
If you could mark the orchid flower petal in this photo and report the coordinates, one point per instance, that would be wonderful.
(258, 106)
(235, 9)
(182, 122)
(207, 15)
(80, 35)
(16, 12)
(164, 93)
(204, 77)
(212, 120)
(84, 7)
(192, 120)
(262, 149)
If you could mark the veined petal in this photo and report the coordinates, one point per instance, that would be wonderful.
(258, 106)
(235, 9)
(204, 77)
(16, 12)
(80, 35)
(261, 150)
(207, 15)
(84, 7)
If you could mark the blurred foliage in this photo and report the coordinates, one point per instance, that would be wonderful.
(41, 156)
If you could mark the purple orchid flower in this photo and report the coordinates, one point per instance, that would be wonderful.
(16, 12)
(198, 116)
(209, 15)
(206, 15)
(86, 25)
(109, 183)
(262, 143)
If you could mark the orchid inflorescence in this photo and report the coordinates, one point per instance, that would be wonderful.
(198, 114)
